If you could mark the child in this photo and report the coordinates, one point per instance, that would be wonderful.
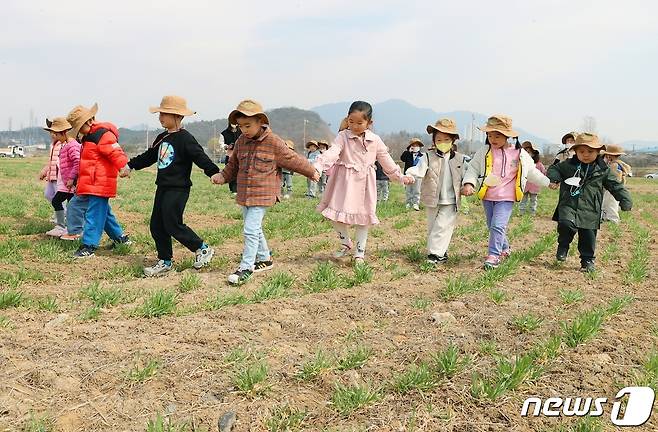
(68, 156)
(382, 183)
(311, 155)
(100, 161)
(49, 171)
(259, 157)
(351, 195)
(174, 150)
(528, 204)
(286, 174)
(441, 170)
(566, 153)
(323, 146)
(582, 181)
(410, 157)
(610, 206)
(500, 172)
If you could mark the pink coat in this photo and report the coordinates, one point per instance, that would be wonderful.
(351, 193)
(69, 165)
(50, 170)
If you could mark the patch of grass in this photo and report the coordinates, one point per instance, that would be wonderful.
(649, 374)
(43, 423)
(414, 253)
(585, 424)
(509, 374)
(449, 362)
(456, 287)
(402, 223)
(570, 297)
(34, 227)
(314, 367)
(250, 378)
(362, 274)
(17, 278)
(161, 302)
(189, 282)
(48, 303)
(584, 326)
(5, 322)
(324, 277)
(654, 329)
(143, 370)
(102, 297)
(421, 303)
(526, 323)
(488, 347)
(285, 418)
(617, 304)
(222, 300)
(638, 266)
(162, 424)
(399, 273)
(11, 298)
(90, 314)
(355, 358)
(122, 249)
(347, 399)
(417, 378)
(10, 250)
(123, 272)
(498, 296)
(276, 286)
(54, 251)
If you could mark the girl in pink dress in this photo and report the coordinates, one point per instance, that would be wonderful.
(351, 194)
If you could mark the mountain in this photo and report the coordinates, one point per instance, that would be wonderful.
(642, 146)
(397, 115)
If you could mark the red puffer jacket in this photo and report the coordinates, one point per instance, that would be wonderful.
(100, 161)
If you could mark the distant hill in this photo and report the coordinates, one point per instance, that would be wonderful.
(397, 115)
(642, 146)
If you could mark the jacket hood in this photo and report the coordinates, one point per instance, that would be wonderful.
(106, 125)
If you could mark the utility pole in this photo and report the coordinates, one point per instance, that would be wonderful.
(305, 121)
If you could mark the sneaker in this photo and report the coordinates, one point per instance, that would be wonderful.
(343, 251)
(561, 254)
(505, 254)
(159, 269)
(58, 231)
(416, 207)
(408, 206)
(71, 237)
(587, 266)
(491, 262)
(262, 266)
(203, 256)
(286, 196)
(124, 239)
(84, 251)
(435, 259)
(239, 277)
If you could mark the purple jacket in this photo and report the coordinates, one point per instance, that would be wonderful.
(69, 165)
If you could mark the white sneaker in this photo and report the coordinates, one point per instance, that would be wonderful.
(416, 207)
(159, 269)
(408, 206)
(286, 196)
(203, 256)
(58, 231)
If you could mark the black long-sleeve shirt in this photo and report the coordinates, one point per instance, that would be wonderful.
(174, 154)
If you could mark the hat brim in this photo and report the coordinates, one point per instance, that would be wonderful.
(593, 147)
(232, 116)
(605, 152)
(509, 133)
(431, 129)
(165, 110)
(569, 135)
(90, 115)
(56, 130)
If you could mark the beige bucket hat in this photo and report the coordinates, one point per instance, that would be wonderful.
(58, 124)
(500, 123)
(566, 136)
(79, 116)
(324, 143)
(444, 125)
(613, 150)
(528, 144)
(173, 105)
(588, 140)
(290, 144)
(310, 143)
(249, 108)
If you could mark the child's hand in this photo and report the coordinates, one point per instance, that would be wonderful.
(407, 180)
(218, 179)
(467, 190)
(69, 183)
(554, 186)
(124, 172)
(316, 176)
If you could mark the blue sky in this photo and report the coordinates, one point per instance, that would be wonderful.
(547, 64)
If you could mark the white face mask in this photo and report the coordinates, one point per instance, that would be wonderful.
(415, 149)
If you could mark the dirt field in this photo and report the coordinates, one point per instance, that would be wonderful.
(317, 344)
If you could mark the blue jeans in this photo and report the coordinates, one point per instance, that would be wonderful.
(99, 218)
(498, 214)
(75, 214)
(255, 245)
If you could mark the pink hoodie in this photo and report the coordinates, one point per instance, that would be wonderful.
(69, 165)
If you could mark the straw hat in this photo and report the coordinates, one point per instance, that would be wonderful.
(415, 141)
(290, 144)
(569, 135)
(528, 144)
(249, 108)
(323, 143)
(588, 140)
(613, 150)
(58, 124)
(500, 123)
(310, 143)
(444, 125)
(173, 105)
(79, 116)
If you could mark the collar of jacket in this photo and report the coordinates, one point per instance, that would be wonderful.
(369, 135)
(264, 134)
(598, 162)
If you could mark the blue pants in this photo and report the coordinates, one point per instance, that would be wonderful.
(498, 214)
(75, 214)
(255, 245)
(99, 218)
